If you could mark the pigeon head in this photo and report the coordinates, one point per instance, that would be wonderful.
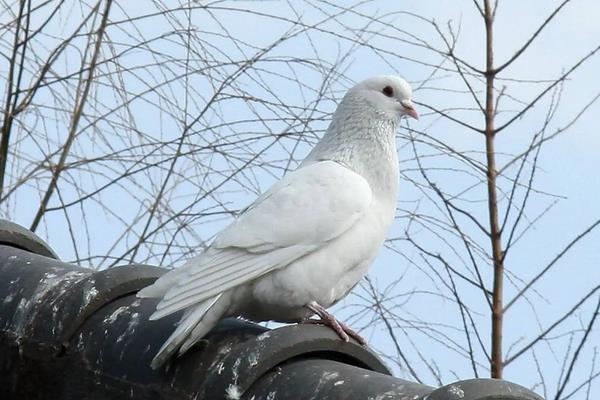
(387, 94)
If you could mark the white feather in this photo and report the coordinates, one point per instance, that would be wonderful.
(188, 293)
(190, 320)
(299, 224)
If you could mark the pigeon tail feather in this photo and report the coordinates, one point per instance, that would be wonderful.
(195, 323)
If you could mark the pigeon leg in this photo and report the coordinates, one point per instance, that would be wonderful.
(327, 319)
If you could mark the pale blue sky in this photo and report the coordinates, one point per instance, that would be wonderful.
(568, 163)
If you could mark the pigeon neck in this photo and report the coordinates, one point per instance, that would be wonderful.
(363, 140)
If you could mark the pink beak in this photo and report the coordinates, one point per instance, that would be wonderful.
(409, 109)
(412, 112)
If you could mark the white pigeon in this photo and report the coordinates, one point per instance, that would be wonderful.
(307, 241)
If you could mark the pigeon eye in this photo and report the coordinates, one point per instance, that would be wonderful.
(388, 91)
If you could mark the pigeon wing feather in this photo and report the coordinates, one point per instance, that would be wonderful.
(306, 209)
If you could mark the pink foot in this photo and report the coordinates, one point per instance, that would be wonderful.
(327, 319)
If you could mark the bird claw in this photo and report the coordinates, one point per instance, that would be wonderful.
(327, 319)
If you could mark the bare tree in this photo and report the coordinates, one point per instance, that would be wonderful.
(140, 129)
(465, 238)
(108, 122)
